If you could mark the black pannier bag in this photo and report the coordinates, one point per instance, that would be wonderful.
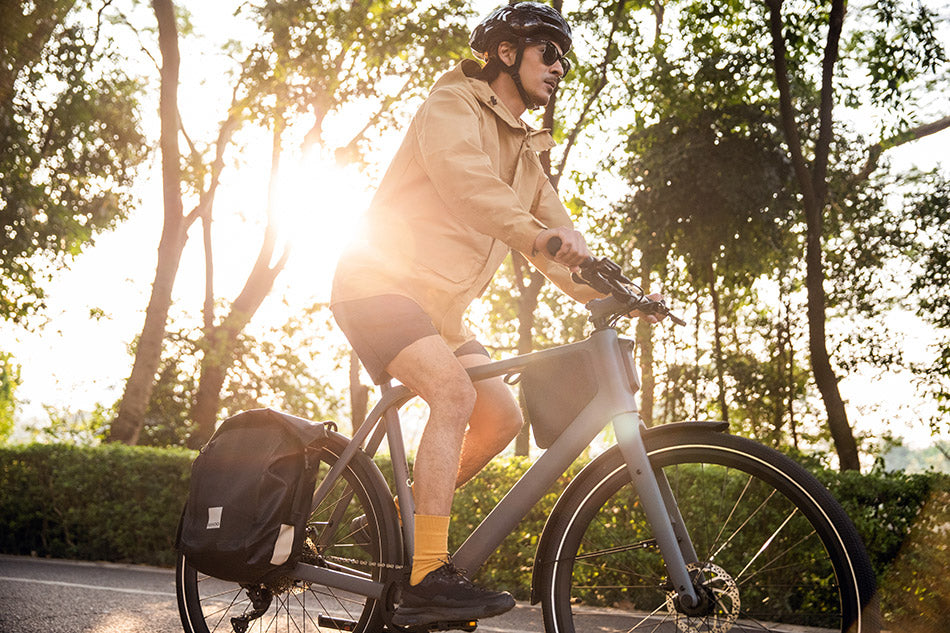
(556, 390)
(249, 499)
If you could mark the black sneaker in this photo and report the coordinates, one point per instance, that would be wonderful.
(447, 595)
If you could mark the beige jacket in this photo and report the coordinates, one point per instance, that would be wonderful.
(465, 186)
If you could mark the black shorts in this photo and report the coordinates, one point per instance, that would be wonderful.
(380, 327)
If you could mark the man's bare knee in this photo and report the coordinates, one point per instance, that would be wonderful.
(453, 398)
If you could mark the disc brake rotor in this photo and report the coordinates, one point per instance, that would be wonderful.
(723, 592)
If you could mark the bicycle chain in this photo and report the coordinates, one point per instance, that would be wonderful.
(364, 563)
(312, 556)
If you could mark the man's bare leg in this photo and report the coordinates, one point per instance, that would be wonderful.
(437, 590)
(430, 369)
(495, 421)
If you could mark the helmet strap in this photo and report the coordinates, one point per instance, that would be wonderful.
(514, 72)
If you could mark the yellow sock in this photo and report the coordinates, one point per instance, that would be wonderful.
(431, 536)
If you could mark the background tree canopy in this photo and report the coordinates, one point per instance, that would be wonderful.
(732, 153)
(70, 140)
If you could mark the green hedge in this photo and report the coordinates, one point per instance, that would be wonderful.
(118, 503)
(112, 503)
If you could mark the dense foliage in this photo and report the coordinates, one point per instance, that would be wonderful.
(110, 503)
(70, 141)
(118, 503)
(9, 378)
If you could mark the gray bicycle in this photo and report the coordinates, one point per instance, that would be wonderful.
(679, 528)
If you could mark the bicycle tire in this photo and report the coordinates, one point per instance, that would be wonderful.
(207, 604)
(775, 548)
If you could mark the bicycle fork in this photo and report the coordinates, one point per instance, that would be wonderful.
(660, 507)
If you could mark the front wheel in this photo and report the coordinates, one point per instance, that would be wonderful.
(370, 548)
(775, 550)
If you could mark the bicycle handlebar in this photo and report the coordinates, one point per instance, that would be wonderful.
(624, 296)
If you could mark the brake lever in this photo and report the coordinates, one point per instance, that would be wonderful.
(659, 308)
(675, 319)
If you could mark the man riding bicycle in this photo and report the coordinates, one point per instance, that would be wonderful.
(464, 188)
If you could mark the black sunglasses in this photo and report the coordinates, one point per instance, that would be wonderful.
(551, 54)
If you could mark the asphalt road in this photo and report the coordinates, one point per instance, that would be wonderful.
(54, 596)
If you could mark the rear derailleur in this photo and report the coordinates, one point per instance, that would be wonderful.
(261, 598)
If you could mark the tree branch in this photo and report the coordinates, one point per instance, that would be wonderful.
(786, 107)
(350, 148)
(913, 134)
(518, 263)
(207, 309)
(592, 98)
(825, 117)
(228, 127)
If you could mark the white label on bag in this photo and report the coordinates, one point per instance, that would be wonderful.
(214, 518)
(283, 545)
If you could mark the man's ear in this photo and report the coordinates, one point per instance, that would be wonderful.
(507, 53)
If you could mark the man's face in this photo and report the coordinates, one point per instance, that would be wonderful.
(541, 70)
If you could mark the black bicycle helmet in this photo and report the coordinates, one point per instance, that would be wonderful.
(519, 22)
(522, 20)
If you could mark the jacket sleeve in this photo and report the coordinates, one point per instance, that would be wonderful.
(550, 210)
(450, 151)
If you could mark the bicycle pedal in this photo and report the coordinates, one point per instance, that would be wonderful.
(341, 624)
(448, 625)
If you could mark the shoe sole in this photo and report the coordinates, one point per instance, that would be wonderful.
(419, 616)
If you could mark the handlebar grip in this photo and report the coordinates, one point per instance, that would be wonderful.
(553, 245)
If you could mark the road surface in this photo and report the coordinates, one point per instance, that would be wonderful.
(54, 596)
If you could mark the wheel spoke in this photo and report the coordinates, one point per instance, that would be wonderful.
(619, 548)
(767, 543)
(769, 564)
(739, 529)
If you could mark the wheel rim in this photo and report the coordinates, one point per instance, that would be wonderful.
(766, 548)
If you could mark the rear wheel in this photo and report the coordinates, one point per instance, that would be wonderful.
(369, 549)
(775, 550)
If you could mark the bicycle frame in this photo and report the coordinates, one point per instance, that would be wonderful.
(614, 403)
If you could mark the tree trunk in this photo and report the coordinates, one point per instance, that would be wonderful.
(214, 370)
(813, 185)
(644, 334)
(220, 342)
(138, 389)
(824, 374)
(717, 342)
(219, 349)
(790, 370)
(527, 304)
(697, 361)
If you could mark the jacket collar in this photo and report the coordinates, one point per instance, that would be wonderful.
(464, 75)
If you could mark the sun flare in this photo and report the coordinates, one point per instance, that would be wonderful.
(319, 205)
